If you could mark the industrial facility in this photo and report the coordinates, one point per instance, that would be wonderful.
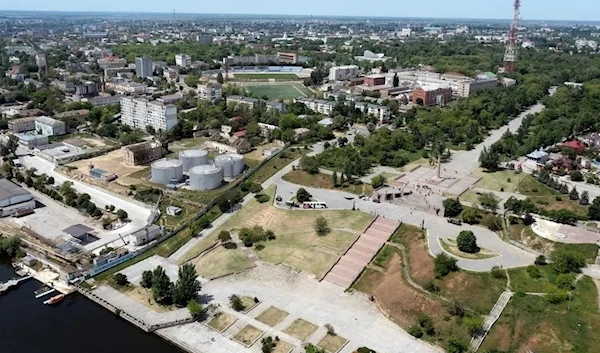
(193, 158)
(206, 177)
(14, 199)
(167, 171)
(232, 164)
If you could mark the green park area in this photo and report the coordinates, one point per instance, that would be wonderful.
(265, 76)
(324, 181)
(296, 241)
(279, 91)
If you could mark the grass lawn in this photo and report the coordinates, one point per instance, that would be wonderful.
(384, 256)
(324, 181)
(332, 343)
(221, 261)
(450, 246)
(499, 180)
(221, 321)
(265, 76)
(248, 335)
(530, 323)
(301, 329)
(520, 281)
(283, 347)
(277, 163)
(248, 303)
(272, 316)
(466, 288)
(276, 92)
(296, 243)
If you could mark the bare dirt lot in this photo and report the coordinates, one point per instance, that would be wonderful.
(111, 162)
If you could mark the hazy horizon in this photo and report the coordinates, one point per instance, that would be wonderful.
(543, 10)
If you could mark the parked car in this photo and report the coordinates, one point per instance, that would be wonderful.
(456, 221)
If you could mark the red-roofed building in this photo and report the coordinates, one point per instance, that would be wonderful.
(578, 146)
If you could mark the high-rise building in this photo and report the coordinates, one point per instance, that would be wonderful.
(343, 73)
(140, 112)
(183, 60)
(143, 67)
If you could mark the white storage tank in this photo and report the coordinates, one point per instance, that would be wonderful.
(166, 171)
(206, 177)
(232, 164)
(193, 158)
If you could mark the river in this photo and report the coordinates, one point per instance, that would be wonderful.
(76, 325)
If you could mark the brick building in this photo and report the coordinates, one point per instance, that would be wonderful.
(432, 95)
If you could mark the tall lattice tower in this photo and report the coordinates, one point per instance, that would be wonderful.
(510, 55)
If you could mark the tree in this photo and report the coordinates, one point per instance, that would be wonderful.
(474, 324)
(455, 345)
(594, 210)
(50, 181)
(378, 181)
(567, 261)
(311, 348)
(584, 199)
(150, 130)
(146, 281)
(342, 141)
(321, 226)
(396, 80)
(195, 308)
(574, 194)
(452, 207)
(334, 178)
(187, 286)
(220, 78)
(121, 279)
(540, 260)
(443, 265)
(576, 175)
(309, 164)
(161, 285)
(467, 242)
(489, 159)
(224, 236)
(191, 80)
(302, 195)
(489, 201)
(236, 303)
(122, 214)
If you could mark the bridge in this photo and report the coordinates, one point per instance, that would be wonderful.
(11, 283)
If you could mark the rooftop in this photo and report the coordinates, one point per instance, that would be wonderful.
(9, 189)
(48, 121)
(77, 230)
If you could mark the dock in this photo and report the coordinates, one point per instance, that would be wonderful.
(43, 292)
(12, 283)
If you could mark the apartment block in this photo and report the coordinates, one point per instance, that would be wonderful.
(22, 124)
(49, 127)
(466, 88)
(343, 73)
(251, 103)
(143, 67)
(140, 112)
(210, 92)
(183, 60)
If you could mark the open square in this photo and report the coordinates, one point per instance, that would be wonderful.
(272, 316)
(248, 335)
(332, 343)
(301, 329)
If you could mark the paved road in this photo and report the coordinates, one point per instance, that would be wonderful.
(437, 227)
(139, 215)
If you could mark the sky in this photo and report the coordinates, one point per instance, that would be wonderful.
(581, 10)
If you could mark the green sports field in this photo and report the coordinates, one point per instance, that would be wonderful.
(265, 76)
(283, 91)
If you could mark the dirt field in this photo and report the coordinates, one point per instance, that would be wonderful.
(282, 347)
(221, 261)
(301, 329)
(111, 162)
(272, 316)
(248, 335)
(144, 296)
(221, 321)
(257, 154)
(332, 343)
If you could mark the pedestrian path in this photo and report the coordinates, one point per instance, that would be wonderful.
(489, 321)
(360, 254)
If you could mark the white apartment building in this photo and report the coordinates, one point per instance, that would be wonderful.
(126, 87)
(49, 127)
(317, 105)
(343, 73)
(183, 60)
(210, 92)
(325, 107)
(140, 112)
(466, 88)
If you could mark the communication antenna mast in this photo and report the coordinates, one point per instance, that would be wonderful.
(510, 55)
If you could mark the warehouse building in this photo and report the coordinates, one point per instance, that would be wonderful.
(14, 199)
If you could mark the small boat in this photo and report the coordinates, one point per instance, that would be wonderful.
(55, 299)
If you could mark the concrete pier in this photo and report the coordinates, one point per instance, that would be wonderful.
(12, 283)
